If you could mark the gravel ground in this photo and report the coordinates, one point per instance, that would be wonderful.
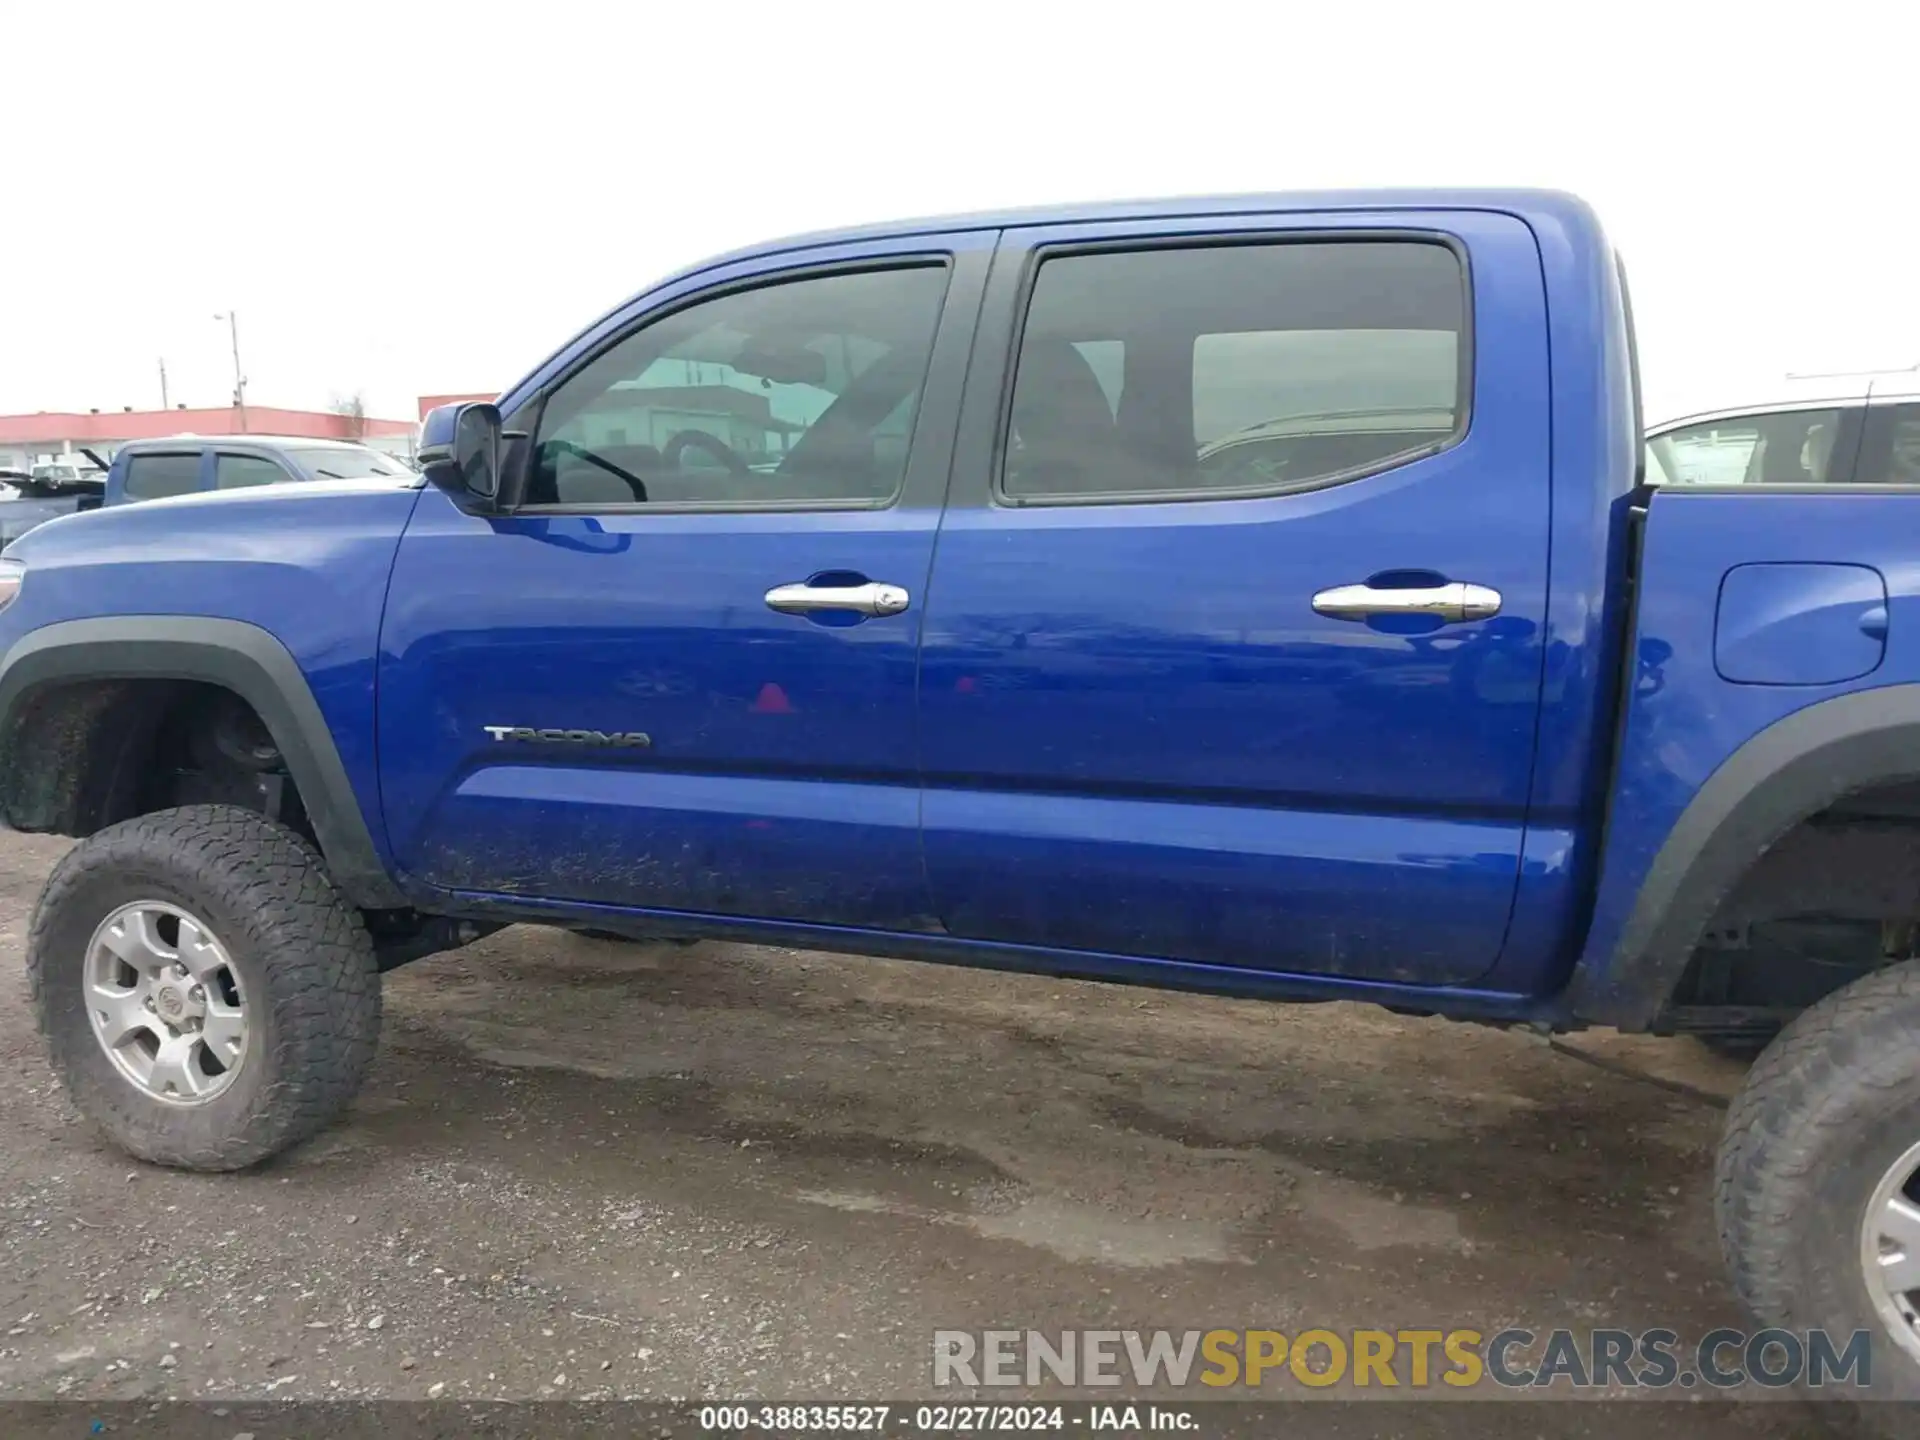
(589, 1169)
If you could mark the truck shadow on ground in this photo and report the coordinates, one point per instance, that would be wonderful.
(736, 1170)
(1079, 1120)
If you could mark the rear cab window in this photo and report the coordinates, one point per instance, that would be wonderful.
(235, 472)
(1196, 371)
(343, 462)
(153, 475)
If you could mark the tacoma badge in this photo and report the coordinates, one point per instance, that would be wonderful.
(618, 739)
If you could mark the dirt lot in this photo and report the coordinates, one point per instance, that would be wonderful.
(590, 1169)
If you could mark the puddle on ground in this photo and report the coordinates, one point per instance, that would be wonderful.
(1371, 1221)
(1082, 1234)
(867, 1204)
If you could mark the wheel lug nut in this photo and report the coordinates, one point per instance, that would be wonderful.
(148, 1002)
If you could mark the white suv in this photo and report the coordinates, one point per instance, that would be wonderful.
(1837, 430)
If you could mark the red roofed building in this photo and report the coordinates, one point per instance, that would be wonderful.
(25, 439)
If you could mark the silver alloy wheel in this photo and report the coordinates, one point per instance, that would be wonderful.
(1890, 1251)
(165, 1002)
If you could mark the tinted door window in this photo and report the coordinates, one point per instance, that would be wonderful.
(1234, 369)
(149, 477)
(1890, 448)
(1791, 447)
(231, 472)
(788, 393)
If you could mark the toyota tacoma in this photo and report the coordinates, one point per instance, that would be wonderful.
(1260, 596)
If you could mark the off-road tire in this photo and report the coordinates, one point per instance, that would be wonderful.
(303, 960)
(1824, 1114)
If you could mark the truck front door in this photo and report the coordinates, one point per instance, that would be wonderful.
(1234, 648)
(681, 676)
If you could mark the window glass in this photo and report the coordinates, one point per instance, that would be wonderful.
(793, 392)
(230, 472)
(345, 462)
(66, 473)
(151, 476)
(1890, 448)
(47, 481)
(1792, 447)
(1209, 370)
(1108, 361)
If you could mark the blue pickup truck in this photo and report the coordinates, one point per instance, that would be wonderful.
(1259, 596)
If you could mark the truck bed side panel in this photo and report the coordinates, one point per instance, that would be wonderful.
(1722, 753)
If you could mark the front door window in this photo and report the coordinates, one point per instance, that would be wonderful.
(796, 393)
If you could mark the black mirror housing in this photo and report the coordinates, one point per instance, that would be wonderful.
(460, 452)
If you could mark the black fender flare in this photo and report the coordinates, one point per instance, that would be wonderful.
(1789, 771)
(253, 664)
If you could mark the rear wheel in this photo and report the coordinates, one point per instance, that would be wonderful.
(1818, 1183)
(207, 998)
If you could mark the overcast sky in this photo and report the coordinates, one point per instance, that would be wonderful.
(411, 197)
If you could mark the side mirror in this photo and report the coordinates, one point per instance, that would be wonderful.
(460, 452)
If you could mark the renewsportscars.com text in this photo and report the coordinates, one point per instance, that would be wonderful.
(1461, 1358)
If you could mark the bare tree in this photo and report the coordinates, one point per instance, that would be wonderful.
(352, 408)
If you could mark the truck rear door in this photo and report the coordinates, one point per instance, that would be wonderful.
(1233, 648)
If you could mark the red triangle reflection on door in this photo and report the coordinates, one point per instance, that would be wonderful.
(773, 701)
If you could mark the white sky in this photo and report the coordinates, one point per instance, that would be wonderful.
(417, 197)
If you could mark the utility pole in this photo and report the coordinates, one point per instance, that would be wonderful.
(163, 384)
(232, 317)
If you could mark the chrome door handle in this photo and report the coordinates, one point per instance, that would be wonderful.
(868, 599)
(1453, 602)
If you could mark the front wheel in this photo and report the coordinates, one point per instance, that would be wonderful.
(1818, 1183)
(207, 997)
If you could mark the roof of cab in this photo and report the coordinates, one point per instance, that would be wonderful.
(1541, 209)
(1525, 203)
(304, 442)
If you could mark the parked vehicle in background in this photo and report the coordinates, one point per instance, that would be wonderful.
(1839, 430)
(1259, 596)
(33, 497)
(154, 469)
(68, 472)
